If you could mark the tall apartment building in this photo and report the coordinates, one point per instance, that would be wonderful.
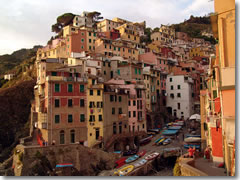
(180, 96)
(59, 109)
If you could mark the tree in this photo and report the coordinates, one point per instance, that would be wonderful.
(63, 20)
(156, 29)
(95, 17)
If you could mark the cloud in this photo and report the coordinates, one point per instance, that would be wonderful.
(26, 23)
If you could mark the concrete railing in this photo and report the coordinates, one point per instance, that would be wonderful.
(188, 167)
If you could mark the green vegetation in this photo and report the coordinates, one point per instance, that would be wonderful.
(195, 26)
(147, 38)
(9, 62)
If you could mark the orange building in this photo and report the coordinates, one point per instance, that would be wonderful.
(223, 26)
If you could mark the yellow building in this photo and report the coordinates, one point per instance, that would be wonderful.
(129, 32)
(154, 46)
(196, 51)
(107, 25)
(95, 112)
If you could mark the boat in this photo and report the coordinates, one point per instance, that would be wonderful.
(186, 146)
(120, 162)
(125, 170)
(140, 163)
(156, 131)
(132, 158)
(167, 141)
(192, 139)
(130, 152)
(191, 135)
(145, 140)
(64, 165)
(152, 156)
(155, 142)
(161, 141)
(141, 153)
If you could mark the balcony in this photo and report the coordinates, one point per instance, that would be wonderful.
(55, 78)
(140, 119)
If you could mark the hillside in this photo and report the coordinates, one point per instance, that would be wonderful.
(194, 26)
(8, 62)
(14, 115)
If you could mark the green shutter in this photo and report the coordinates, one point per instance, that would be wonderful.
(139, 71)
(70, 118)
(57, 119)
(70, 88)
(135, 70)
(81, 87)
(54, 73)
(118, 71)
(82, 117)
(57, 88)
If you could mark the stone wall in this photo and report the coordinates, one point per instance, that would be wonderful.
(82, 158)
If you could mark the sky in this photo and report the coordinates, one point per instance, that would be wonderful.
(25, 23)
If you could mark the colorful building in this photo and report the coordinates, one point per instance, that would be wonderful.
(95, 117)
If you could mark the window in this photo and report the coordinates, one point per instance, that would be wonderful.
(82, 117)
(105, 46)
(192, 94)
(118, 71)
(54, 73)
(171, 87)
(82, 40)
(120, 98)
(57, 119)
(129, 103)
(178, 94)
(143, 126)
(70, 118)
(113, 110)
(81, 102)
(98, 92)
(135, 70)
(179, 86)
(92, 118)
(179, 105)
(134, 103)
(172, 95)
(91, 92)
(99, 117)
(70, 88)
(139, 71)
(81, 88)
(119, 49)
(57, 102)
(170, 79)
(111, 98)
(134, 113)
(62, 138)
(89, 33)
(72, 136)
(69, 102)
(129, 113)
(119, 110)
(90, 47)
(57, 88)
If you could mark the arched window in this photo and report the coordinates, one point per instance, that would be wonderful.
(62, 138)
(72, 136)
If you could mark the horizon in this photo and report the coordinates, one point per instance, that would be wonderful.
(21, 23)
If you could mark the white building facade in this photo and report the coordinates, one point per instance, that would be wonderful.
(180, 96)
